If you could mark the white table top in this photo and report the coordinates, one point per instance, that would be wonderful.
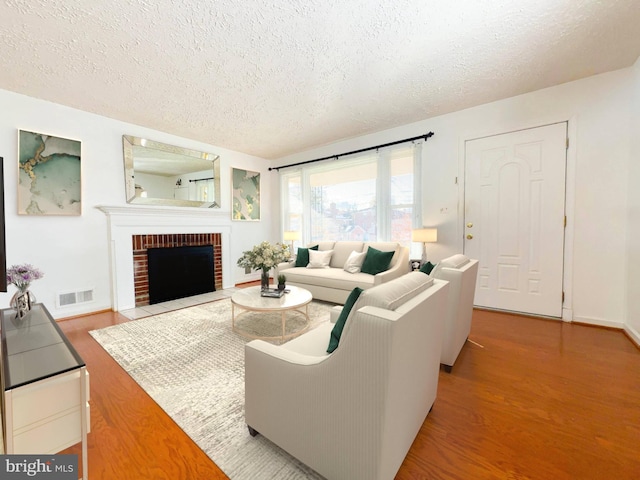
(250, 298)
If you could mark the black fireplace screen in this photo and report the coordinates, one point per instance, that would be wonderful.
(180, 272)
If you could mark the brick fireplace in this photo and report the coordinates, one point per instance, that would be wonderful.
(141, 243)
(160, 226)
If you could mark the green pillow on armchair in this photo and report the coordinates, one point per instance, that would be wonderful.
(336, 333)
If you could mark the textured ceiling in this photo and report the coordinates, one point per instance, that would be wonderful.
(274, 77)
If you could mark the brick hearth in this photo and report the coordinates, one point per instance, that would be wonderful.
(142, 242)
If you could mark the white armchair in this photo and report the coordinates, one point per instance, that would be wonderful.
(461, 273)
(353, 414)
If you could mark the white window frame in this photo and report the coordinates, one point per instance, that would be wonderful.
(383, 189)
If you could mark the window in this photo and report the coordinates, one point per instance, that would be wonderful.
(401, 204)
(369, 197)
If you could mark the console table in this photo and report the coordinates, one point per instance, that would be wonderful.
(45, 385)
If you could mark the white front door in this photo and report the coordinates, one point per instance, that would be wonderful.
(514, 218)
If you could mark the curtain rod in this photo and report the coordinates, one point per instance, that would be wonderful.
(200, 179)
(425, 137)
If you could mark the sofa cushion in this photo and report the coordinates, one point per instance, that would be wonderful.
(302, 258)
(376, 261)
(326, 245)
(341, 252)
(336, 332)
(354, 262)
(319, 259)
(382, 246)
(335, 278)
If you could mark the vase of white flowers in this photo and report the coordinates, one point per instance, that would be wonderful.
(264, 257)
(264, 279)
(21, 276)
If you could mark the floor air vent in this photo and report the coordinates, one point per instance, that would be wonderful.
(73, 298)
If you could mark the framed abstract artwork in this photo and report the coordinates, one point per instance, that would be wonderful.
(245, 191)
(49, 175)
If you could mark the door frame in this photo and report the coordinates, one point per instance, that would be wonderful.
(567, 279)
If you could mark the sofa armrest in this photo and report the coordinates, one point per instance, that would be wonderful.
(285, 265)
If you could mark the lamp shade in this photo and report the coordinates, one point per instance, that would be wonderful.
(425, 235)
(291, 235)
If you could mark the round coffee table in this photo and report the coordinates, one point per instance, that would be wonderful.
(250, 300)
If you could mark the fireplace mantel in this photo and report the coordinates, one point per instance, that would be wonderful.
(156, 213)
(126, 221)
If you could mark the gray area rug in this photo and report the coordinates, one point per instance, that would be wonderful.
(192, 364)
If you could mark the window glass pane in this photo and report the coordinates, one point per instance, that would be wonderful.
(402, 181)
(294, 192)
(343, 203)
(401, 222)
(401, 196)
(292, 208)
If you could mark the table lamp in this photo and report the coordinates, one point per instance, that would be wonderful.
(424, 236)
(291, 236)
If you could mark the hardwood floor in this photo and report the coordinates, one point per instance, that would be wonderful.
(530, 399)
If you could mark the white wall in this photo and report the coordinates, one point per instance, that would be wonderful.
(73, 251)
(156, 186)
(598, 111)
(632, 317)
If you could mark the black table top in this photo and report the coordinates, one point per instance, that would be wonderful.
(34, 347)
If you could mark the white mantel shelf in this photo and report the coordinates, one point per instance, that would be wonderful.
(126, 221)
(159, 212)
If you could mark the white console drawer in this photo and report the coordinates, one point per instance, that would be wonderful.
(49, 437)
(47, 398)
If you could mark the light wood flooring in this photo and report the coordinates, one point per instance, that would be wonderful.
(530, 399)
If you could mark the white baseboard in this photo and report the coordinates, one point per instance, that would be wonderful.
(599, 322)
(634, 335)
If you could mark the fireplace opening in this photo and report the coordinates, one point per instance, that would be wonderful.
(180, 272)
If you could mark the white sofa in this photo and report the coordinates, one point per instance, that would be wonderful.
(334, 284)
(353, 414)
(461, 272)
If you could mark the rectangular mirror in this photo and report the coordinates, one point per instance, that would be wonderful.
(161, 174)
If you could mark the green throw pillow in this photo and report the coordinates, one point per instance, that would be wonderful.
(302, 258)
(342, 319)
(376, 261)
(427, 267)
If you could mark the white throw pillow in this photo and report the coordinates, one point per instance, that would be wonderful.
(354, 262)
(319, 259)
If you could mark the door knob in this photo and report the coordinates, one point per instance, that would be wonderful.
(469, 236)
(469, 225)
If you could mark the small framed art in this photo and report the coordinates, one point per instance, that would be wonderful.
(245, 190)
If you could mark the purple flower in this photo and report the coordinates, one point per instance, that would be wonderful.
(22, 275)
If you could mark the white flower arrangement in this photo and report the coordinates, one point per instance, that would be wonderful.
(264, 256)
